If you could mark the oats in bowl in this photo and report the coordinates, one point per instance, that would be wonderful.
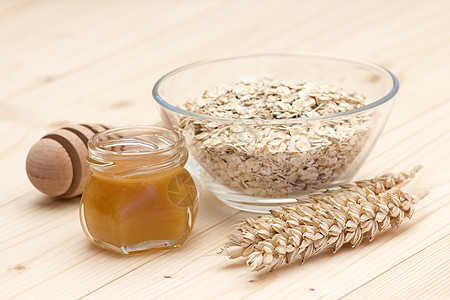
(282, 159)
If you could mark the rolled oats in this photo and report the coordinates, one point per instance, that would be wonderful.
(276, 159)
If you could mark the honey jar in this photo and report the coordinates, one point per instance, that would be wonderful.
(140, 195)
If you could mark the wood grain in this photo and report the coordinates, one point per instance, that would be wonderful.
(64, 62)
(392, 284)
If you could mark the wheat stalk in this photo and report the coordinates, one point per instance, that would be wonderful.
(328, 218)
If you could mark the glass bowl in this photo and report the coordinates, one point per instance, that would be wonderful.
(243, 162)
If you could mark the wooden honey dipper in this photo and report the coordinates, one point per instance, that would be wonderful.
(56, 164)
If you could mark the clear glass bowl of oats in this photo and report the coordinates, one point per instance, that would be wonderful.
(262, 130)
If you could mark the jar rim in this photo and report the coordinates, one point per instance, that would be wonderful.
(126, 133)
(159, 149)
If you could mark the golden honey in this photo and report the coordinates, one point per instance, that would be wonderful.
(139, 196)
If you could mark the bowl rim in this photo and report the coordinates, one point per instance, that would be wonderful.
(373, 104)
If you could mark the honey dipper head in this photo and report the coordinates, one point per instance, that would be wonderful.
(56, 164)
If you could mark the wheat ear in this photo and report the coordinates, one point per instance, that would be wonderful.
(327, 219)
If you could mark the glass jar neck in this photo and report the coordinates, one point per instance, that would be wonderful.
(136, 151)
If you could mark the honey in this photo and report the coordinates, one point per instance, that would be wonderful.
(140, 195)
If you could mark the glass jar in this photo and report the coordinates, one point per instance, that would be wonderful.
(139, 195)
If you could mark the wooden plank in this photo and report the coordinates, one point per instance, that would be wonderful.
(417, 277)
(63, 43)
(94, 61)
(429, 130)
(60, 48)
(7, 6)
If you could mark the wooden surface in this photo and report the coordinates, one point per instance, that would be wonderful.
(64, 62)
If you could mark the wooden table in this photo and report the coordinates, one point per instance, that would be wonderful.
(65, 62)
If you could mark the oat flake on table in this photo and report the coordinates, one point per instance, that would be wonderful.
(276, 159)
